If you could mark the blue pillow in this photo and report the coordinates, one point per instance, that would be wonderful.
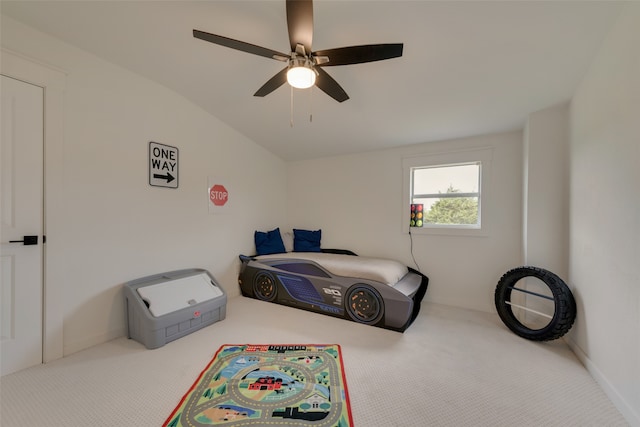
(306, 241)
(269, 242)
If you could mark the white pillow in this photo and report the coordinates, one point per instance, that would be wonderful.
(287, 239)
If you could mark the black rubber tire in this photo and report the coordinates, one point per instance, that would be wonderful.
(265, 287)
(565, 305)
(364, 304)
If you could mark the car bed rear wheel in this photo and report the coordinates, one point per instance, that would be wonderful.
(264, 286)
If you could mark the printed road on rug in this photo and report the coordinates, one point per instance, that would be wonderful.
(268, 385)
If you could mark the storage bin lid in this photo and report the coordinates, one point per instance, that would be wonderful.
(176, 294)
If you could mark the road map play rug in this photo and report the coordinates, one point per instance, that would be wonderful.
(268, 385)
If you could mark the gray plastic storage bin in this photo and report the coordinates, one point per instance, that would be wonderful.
(164, 307)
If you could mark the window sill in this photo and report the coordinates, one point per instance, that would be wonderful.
(447, 231)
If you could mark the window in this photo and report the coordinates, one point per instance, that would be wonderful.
(446, 193)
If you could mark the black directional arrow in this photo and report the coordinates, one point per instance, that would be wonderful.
(168, 177)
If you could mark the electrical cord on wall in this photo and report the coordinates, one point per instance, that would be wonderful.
(411, 248)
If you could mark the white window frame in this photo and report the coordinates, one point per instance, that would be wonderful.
(482, 156)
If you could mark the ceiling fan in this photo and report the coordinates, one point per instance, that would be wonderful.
(304, 66)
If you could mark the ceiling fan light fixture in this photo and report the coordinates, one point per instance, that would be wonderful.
(301, 75)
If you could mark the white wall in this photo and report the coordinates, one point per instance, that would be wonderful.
(605, 215)
(357, 202)
(545, 194)
(109, 225)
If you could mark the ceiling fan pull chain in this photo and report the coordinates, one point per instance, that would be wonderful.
(291, 109)
(311, 105)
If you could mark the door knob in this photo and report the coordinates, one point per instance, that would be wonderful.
(26, 240)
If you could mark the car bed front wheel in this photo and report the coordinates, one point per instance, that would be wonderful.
(364, 304)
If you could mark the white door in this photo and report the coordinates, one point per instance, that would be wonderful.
(21, 214)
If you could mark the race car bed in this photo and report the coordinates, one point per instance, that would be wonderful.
(378, 292)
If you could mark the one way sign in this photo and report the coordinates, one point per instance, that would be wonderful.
(163, 165)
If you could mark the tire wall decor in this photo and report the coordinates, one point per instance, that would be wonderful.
(535, 303)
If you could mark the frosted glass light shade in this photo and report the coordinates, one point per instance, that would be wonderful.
(301, 77)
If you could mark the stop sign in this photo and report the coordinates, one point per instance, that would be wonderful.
(218, 195)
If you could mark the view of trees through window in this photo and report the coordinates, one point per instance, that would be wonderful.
(458, 210)
(450, 194)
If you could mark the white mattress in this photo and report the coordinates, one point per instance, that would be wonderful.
(378, 269)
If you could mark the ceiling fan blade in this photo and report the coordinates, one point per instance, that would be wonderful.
(360, 54)
(274, 83)
(242, 46)
(328, 85)
(300, 23)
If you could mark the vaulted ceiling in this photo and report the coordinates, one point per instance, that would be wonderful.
(468, 67)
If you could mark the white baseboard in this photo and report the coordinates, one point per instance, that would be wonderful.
(91, 341)
(627, 411)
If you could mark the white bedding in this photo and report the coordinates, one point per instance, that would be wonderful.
(378, 269)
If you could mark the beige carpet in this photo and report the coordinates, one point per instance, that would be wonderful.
(452, 367)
